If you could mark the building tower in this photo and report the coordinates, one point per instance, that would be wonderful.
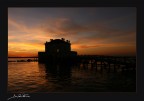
(56, 50)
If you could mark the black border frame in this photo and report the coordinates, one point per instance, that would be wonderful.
(138, 96)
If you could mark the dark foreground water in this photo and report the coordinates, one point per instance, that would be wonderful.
(34, 77)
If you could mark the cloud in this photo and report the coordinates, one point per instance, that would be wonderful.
(89, 36)
(68, 27)
(63, 26)
(21, 33)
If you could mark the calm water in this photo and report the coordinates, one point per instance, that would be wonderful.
(34, 77)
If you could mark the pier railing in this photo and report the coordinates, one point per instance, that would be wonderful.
(123, 62)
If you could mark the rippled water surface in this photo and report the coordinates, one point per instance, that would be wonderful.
(35, 77)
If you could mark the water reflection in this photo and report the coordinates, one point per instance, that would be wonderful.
(78, 78)
(35, 77)
(57, 74)
(60, 74)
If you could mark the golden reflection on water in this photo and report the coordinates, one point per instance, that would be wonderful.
(25, 76)
(35, 77)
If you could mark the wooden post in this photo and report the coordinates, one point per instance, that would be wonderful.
(109, 67)
(91, 64)
(101, 63)
(114, 64)
(96, 64)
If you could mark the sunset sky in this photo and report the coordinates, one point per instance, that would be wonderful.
(91, 30)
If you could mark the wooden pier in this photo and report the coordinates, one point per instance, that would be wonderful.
(107, 62)
(95, 61)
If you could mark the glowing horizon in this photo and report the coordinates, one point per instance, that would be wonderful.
(91, 31)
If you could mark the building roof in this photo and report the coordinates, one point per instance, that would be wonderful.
(62, 40)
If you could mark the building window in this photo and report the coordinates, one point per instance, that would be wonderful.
(57, 50)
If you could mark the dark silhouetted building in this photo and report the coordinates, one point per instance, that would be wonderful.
(57, 50)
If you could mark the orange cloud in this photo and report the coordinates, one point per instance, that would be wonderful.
(25, 41)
